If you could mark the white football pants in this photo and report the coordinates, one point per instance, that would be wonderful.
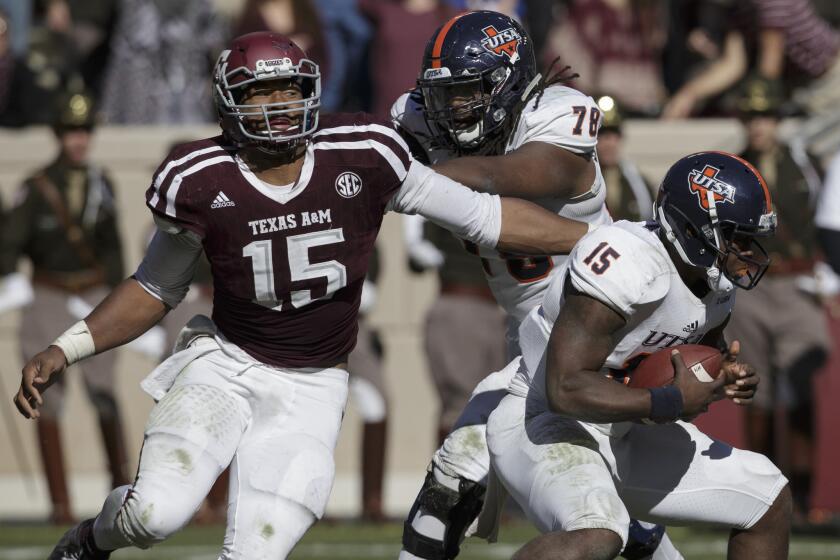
(276, 428)
(569, 475)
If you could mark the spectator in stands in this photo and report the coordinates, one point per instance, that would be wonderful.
(696, 29)
(162, 55)
(465, 315)
(539, 19)
(783, 41)
(88, 24)
(19, 19)
(616, 47)
(64, 220)
(296, 19)
(7, 63)
(347, 34)
(401, 29)
(782, 330)
(629, 193)
(36, 81)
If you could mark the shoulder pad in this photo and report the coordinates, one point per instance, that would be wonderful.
(621, 268)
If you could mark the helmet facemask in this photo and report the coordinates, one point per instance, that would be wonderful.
(464, 108)
(276, 127)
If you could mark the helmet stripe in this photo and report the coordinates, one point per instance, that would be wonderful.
(438, 46)
(767, 198)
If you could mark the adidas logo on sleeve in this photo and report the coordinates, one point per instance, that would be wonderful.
(221, 201)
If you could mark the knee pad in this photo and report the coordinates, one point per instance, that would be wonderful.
(455, 509)
(149, 520)
(204, 415)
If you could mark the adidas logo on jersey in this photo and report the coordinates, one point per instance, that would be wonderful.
(691, 327)
(221, 201)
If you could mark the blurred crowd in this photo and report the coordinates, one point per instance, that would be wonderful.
(148, 62)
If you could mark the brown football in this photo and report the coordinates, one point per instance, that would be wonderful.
(657, 370)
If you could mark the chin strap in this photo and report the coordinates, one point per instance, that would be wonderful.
(718, 282)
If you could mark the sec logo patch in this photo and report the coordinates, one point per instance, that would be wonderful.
(348, 184)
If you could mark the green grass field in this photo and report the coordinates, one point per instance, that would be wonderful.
(351, 541)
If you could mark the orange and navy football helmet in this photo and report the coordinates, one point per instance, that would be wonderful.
(713, 205)
(477, 73)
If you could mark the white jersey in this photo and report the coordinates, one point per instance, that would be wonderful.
(563, 117)
(626, 267)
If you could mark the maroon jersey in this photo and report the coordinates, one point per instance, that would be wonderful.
(288, 263)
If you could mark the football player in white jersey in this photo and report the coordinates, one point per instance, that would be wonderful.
(482, 115)
(591, 452)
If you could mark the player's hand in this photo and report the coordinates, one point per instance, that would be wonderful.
(697, 395)
(741, 379)
(38, 374)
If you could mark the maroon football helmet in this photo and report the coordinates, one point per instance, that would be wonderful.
(257, 57)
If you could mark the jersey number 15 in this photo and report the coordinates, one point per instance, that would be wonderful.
(300, 268)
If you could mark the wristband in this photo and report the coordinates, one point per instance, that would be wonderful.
(666, 404)
(76, 343)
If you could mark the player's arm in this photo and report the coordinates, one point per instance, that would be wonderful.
(507, 224)
(132, 308)
(582, 338)
(534, 170)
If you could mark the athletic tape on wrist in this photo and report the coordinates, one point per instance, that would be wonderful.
(666, 404)
(76, 343)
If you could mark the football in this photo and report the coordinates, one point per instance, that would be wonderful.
(656, 370)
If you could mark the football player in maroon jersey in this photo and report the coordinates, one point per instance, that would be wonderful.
(286, 205)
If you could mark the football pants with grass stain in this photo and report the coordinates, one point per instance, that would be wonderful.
(276, 428)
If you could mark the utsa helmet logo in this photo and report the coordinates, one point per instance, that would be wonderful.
(504, 42)
(701, 182)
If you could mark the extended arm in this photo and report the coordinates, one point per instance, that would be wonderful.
(138, 303)
(131, 309)
(535, 170)
(508, 224)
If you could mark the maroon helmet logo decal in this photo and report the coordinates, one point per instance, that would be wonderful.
(702, 182)
(504, 42)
